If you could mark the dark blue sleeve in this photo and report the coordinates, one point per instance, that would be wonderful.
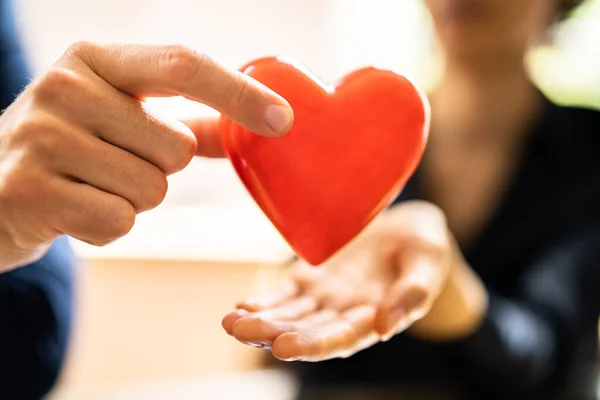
(36, 300)
(14, 71)
(36, 304)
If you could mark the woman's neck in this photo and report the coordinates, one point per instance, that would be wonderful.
(483, 101)
(480, 114)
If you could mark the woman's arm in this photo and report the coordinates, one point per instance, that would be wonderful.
(460, 308)
(526, 341)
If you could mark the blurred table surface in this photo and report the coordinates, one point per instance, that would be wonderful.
(157, 322)
(249, 385)
(152, 330)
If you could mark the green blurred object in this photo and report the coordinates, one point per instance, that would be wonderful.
(568, 69)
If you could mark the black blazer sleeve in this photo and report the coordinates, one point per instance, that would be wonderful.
(530, 338)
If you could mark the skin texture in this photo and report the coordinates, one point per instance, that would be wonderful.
(80, 155)
(368, 292)
(394, 277)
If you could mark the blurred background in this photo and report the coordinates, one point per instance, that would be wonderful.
(150, 305)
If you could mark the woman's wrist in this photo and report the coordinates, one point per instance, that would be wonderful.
(458, 311)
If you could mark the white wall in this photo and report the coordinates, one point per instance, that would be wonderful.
(330, 36)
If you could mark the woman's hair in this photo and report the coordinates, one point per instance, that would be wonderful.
(566, 7)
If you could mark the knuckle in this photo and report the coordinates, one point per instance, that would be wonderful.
(184, 150)
(239, 89)
(121, 222)
(36, 135)
(98, 242)
(156, 191)
(187, 149)
(58, 84)
(181, 64)
(21, 184)
(29, 129)
(236, 92)
(79, 48)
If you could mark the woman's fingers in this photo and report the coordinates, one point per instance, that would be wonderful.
(285, 291)
(266, 325)
(251, 329)
(343, 336)
(411, 295)
(321, 335)
(291, 310)
(232, 318)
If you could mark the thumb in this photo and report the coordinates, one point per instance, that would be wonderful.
(410, 297)
(207, 135)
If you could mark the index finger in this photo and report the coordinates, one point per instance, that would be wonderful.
(155, 71)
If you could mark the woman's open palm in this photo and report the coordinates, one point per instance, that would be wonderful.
(374, 288)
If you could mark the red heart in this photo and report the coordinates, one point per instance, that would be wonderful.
(350, 152)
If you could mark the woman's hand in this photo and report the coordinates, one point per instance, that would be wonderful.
(400, 271)
(80, 154)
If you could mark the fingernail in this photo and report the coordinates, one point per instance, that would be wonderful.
(260, 345)
(279, 117)
(267, 346)
(292, 359)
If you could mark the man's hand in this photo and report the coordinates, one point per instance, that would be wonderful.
(80, 155)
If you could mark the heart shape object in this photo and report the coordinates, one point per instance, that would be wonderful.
(350, 152)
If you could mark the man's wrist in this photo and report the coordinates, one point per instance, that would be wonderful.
(12, 255)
